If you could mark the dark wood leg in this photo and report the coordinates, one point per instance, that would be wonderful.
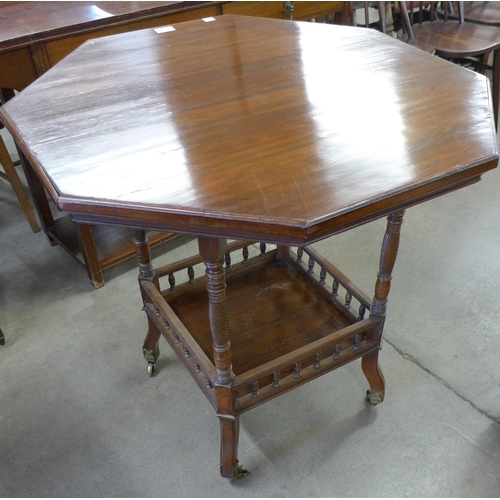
(13, 178)
(2, 338)
(39, 197)
(150, 348)
(212, 251)
(388, 255)
(496, 84)
(230, 431)
(283, 251)
(89, 253)
(375, 377)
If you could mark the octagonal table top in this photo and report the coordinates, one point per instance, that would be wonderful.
(248, 127)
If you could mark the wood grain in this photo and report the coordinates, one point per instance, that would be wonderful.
(237, 127)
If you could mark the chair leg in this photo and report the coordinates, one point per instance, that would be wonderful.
(12, 177)
(2, 338)
(495, 86)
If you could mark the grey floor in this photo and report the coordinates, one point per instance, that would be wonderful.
(80, 417)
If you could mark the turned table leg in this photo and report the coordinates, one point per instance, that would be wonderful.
(388, 255)
(212, 251)
(150, 348)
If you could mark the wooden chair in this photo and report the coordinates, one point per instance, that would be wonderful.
(11, 176)
(481, 12)
(381, 25)
(457, 40)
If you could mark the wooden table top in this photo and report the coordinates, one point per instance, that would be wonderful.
(255, 128)
(22, 23)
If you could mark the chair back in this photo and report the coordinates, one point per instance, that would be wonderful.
(413, 12)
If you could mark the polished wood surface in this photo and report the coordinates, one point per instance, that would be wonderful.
(236, 128)
(461, 42)
(260, 106)
(34, 36)
(22, 23)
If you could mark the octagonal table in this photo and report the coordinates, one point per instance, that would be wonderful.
(264, 131)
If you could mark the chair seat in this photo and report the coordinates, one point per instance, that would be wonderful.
(458, 40)
(421, 45)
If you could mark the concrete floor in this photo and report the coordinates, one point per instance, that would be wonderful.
(79, 417)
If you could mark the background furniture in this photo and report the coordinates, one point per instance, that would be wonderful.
(480, 12)
(36, 35)
(458, 41)
(11, 176)
(385, 18)
(2, 338)
(262, 154)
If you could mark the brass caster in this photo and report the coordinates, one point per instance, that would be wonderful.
(240, 472)
(374, 397)
(151, 369)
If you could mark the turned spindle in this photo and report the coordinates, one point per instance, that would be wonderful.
(336, 351)
(348, 298)
(335, 288)
(171, 281)
(300, 253)
(190, 272)
(317, 360)
(362, 311)
(311, 265)
(322, 276)
(255, 389)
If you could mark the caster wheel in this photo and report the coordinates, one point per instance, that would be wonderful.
(240, 472)
(375, 397)
(151, 369)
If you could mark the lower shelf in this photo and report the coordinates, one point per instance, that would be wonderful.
(285, 328)
(273, 311)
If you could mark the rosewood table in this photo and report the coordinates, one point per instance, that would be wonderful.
(240, 129)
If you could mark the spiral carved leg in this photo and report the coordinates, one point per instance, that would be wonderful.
(229, 465)
(212, 251)
(388, 255)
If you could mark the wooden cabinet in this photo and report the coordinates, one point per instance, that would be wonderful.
(283, 10)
